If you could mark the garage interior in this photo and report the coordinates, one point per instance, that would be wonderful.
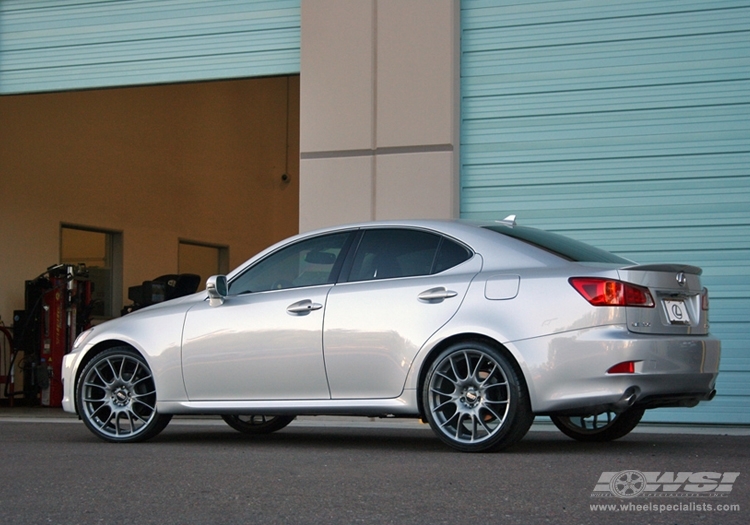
(139, 182)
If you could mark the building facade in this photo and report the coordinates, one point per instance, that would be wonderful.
(173, 122)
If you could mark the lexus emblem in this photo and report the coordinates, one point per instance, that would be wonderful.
(676, 312)
(681, 279)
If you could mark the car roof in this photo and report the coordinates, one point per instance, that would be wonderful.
(452, 227)
(472, 233)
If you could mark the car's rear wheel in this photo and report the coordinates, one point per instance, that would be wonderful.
(256, 424)
(116, 397)
(475, 400)
(605, 426)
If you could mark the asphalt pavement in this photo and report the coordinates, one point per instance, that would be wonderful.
(21, 414)
(340, 470)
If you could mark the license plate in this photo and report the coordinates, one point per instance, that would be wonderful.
(676, 312)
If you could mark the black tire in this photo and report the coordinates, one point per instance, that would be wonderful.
(248, 424)
(474, 399)
(605, 426)
(116, 397)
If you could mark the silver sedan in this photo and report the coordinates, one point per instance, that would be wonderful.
(473, 327)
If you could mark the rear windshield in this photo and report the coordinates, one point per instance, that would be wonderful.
(559, 245)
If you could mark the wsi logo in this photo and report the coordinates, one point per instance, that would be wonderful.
(632, 483)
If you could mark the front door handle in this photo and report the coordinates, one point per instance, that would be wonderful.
(303, 307)
(434, 295)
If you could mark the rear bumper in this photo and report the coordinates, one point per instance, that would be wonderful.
(567, 373)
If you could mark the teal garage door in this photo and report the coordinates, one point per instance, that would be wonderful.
(52, 45)
(626, 125)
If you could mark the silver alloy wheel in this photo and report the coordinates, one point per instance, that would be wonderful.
(469, 396)
(592, 423)
(604, 426)
(257, 424)
(117, 397)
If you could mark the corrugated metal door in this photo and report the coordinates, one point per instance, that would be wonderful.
(51, 45)
(626, 125)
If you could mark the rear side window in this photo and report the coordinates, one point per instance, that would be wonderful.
(399, 252)
(450, 254)
(559, 245)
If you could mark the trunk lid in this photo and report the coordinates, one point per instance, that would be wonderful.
(678, 299)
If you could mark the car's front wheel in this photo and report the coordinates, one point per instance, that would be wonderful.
(475, 400)
(255, 424)
(116, 397)
(605, 426)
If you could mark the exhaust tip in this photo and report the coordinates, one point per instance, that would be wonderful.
(628, 399)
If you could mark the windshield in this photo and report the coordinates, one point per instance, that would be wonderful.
(559, 245)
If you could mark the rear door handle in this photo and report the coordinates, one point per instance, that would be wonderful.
(436, 294)
(303, 307)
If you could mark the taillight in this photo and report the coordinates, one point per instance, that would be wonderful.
(609, 292)
(626, 367)
(704, 299)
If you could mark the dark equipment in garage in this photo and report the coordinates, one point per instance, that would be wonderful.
(163, 288)
(58, 307)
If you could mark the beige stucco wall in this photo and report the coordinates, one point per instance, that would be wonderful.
(378, 110)
(200, 162)
(378, 139)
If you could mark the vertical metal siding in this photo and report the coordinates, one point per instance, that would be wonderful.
(48, 45)
(626, 125)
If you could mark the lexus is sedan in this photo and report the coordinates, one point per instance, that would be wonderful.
(474, 327)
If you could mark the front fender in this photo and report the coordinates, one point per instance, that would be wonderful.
(156, 334)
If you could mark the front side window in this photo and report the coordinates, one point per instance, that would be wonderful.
(308, 262)
(393, 252)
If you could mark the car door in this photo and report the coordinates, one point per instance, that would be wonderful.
(265, 341)
(403, 285)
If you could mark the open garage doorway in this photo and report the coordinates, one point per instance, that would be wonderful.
(214, 161)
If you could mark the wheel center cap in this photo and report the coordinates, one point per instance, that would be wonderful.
(471, 397)
(121, 397)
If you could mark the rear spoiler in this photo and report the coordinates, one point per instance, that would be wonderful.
(674, 268)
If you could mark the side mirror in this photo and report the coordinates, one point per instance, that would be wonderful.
(216, 286)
